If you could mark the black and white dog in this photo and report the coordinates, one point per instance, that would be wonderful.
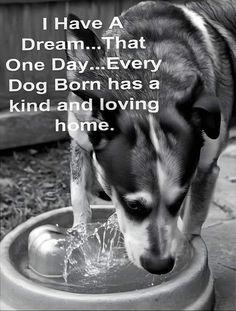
(151, 165)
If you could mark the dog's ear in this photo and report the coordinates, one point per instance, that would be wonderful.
(119, 122)
(206, 110)
(109, 116)
(202, 108)
(93, 49)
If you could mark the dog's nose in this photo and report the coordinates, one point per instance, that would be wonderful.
(156, 265)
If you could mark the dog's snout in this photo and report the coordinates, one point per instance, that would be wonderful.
(156, 265)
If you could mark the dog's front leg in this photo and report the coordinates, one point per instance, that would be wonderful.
(81, 178)
(198, 200)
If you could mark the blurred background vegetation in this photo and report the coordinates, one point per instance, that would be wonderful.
(33, 181)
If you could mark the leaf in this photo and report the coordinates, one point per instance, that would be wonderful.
(48, 185)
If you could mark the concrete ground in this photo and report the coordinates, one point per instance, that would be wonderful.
(219, 232)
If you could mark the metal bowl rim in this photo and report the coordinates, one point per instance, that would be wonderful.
(10, 273)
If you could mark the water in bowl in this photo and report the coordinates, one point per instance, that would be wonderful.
(93, 249)
(96, 262)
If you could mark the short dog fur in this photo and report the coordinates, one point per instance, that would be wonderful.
(156, 166)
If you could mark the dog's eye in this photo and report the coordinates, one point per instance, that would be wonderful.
(135, 205)
(137, 209)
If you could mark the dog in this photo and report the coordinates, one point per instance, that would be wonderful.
(158, 169)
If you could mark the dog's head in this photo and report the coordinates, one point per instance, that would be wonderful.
(148, 159)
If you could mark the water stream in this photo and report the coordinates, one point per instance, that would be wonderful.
(93, 249)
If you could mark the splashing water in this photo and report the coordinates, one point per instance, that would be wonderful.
(93, 249)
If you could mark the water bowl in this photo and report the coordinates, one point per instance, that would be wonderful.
(44, 266)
